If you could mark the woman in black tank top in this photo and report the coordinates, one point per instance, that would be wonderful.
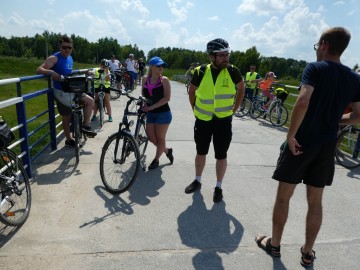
(157, 88)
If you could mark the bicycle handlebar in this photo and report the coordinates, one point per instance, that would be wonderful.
(131, 97)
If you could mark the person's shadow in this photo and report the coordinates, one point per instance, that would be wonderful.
(211, 231)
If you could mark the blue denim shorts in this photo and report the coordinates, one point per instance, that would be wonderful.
(159, 118)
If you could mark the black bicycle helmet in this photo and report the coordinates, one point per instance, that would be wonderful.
(105, 63)
(217, 45)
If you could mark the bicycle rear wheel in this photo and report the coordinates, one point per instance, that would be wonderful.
(119, 163)
(346, 152)
(256, 109)
(244, 108)
(15, 196)
(278, 115)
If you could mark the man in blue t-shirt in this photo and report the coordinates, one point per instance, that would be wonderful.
(61, 63)
(327, 87)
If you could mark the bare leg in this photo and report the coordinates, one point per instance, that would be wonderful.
(281, 210)
(314, 216)
(160, 131)
(107, 104)
(221, 165)
(89, 105)
(157, 135)
(66, 120)
(200, 161)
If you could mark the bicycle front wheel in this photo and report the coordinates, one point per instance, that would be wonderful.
(256, 109)
(142, 139)
(114, 94)
(77, 134)
(346, 152)
(279, 115)
(244, 108)
(119, 162)
(15, 195)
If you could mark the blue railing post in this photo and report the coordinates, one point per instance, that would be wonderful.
(24, 145)
(52, 123)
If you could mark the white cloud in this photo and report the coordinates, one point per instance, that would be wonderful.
(214, 18)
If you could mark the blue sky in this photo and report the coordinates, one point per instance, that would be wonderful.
(282, 28)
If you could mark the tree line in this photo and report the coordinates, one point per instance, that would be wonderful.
(41, 46)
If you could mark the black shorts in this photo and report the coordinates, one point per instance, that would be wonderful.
(218, 129)
(314, 167)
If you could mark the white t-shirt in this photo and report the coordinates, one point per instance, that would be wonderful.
(130, 65)
(114, 65)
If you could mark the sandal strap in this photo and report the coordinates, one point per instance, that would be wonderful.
(307, 256)
(275, 251)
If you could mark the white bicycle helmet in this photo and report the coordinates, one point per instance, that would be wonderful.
(105, 63)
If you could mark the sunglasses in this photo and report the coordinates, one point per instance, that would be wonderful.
(66, 47)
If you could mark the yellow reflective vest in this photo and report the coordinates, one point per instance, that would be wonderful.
(251, 77)
(215, 99)
(97, 82)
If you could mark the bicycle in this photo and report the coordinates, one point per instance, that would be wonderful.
(187, 83)
(277, 112)
(15, 192)
(122, 151)
(77, 85)
(119, 78)
(348, 147)
(245, 106)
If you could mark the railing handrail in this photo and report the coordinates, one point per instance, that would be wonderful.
(23, 121)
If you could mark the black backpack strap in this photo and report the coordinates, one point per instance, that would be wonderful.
(202, 72)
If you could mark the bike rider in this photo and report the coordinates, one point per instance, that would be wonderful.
(61, 63)
(104, 68)
(130, 67)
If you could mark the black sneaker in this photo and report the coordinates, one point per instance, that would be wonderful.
(217, 195)
(88, 131)
(170, 155)
(154, 164)
(193, 186)
(70, 143)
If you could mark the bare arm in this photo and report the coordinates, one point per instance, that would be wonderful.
(353, 117)
(297, 116)
(192, 90)
(239, 95)
(45, 68)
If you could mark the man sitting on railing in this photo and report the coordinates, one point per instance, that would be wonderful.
(61, 63)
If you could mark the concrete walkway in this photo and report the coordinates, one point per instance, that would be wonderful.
(75, 223)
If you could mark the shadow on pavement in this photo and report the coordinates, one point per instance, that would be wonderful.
(211, 231)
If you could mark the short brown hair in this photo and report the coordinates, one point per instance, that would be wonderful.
(65, 38)
(337, 38)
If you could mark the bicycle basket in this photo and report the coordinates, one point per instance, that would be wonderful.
(281, 93)
(6, 135)
(76, 84)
